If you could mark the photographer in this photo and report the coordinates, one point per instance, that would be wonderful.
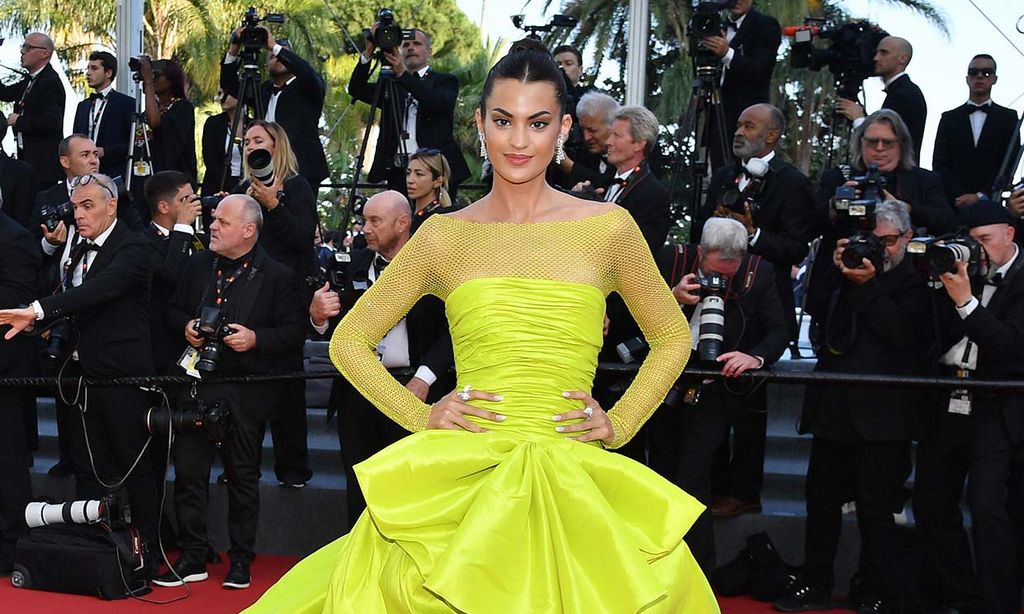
(982, 326)
(773, 203)
(426, 183)
(170, 116)
(421, 339)
(427, 107)
(106, 115)
(258, 302)
(293, 98)
(102, 309)
(903, 96)
(596, 113)
(878, 322)
(215, 142)
(685, 436)
(289, 221)
(747, 49)
(17, 286)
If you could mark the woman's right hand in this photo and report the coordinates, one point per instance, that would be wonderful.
(450, 412)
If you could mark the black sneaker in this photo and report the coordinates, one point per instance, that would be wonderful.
(804, 598)
(238, 575)
(182, 571)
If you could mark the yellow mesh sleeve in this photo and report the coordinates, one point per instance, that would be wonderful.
(353, 346)
(656, 311)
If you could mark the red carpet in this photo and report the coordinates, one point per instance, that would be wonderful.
(208, 597)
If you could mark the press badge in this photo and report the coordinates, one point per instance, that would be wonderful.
(141, 168)
(960, 402)
(360, 284)
(188, 361)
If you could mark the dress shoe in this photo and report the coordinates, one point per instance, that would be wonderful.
(878, 605)
(238, 575)
(61, 470)
(181, 572)
(731, 506)
(804, 598)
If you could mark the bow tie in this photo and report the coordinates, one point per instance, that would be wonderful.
(379, 264)
(997, 280)
(983, 108)
(96, 96)
(277, 89)
(732, 25)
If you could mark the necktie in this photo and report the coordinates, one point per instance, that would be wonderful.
(379, 264)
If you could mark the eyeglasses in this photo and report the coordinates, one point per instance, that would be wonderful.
(983, 72)
(874, 142)
(889, 240)
(26, 47)
(87, 179)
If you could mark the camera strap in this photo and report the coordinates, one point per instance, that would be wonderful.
(222, 283)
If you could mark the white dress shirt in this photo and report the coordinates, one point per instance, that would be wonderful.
(77, 275)
(616, 188)
(978, 119)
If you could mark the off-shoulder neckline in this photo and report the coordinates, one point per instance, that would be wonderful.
(612, 211)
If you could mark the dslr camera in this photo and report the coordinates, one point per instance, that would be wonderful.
(212, 419)
(937, 255)
(736, 200)
(252, 38)
(55, 214)
(857, 214)
(212, 327)
(389, 34)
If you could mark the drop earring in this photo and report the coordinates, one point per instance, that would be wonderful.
(483, 145)
(559, 152)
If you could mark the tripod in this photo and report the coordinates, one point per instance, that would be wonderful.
(386, 92)
(703, 126)
(249, 101)
(140, 158)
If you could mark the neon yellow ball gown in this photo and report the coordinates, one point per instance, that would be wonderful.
(520, 519)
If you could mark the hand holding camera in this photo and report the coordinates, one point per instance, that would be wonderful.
(850, 109)
(957, 285)
(145, 69)
(189, 211)
(718, 45)
(242, 339)
(687, 291)
(1015, 200)
(58, 236)
(266, 195)
(858, 273)
(326, 304)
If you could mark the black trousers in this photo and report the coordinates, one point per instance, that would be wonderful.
(288, 432)
(943, 456)
(109, 435)
(738, 470)
(362, 432)
(872, 475)
(993, 495)
(193, 456)
(15, 483)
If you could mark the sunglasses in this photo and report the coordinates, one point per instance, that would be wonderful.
(87, 179)
(889, 240)
(27, 46)
(984, 72)
(873, 142)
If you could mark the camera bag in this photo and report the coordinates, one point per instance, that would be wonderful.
(84, 559)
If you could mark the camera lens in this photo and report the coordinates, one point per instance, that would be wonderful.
(712, 328)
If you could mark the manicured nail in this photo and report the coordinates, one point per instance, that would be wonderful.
(500, 418)
(560, 429)
(557, 418)
(567, 394)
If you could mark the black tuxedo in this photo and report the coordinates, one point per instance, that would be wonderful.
(904, 97)
(215, 134)
(748, 78)
(967, 168)
(646, 199)
(127, 210)
(684, 439)
(114, 131)
(264, 298)
(783, 216)
(173, 144)
(362, 429)
(588, 168)
(111, 316)
(436, 94)
(170, 253)
(17, 287)
(18, 186)
(298, 111)
(40, 126)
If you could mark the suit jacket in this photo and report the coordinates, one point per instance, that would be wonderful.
(749, 76)
(169, 254)
(114, 130)
(298, 111)
(215, 134)
(18, 186)
(430, 340)
(173, 145)
(904, 97)
(967, 168)
(17, 288)
(111, 307)
(436, 94)
(646, 199)
(40, 127)
(755, 323)
(265, 299)
(881, 326)
(588, 168)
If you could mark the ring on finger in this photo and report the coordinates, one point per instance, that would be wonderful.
(588, 412)
(464, 395)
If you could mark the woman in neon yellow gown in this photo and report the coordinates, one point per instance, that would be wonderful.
(506, 502)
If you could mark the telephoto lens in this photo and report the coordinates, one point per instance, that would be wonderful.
(943, 258)
(261, 166)
(712, 328)
(39, 514)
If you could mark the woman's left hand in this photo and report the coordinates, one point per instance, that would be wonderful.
(596, 423)
(266, 195)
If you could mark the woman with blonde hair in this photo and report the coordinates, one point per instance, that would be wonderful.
(426, 183)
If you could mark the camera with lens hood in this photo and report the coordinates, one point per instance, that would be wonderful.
(938, 255)
(212, 419)
(389, 34)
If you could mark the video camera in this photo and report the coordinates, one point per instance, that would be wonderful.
(706, 21)
(109, 510)
(213, 419)
(212, 327)
(736, 200)
(850, 56)
(937, 255)
(252, 38)
(389, 34)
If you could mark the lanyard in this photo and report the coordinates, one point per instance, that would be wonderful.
(95, 115)
(221, 285)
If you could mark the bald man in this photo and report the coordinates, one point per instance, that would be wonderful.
(420, 340)
(38, 116)
(892, 56)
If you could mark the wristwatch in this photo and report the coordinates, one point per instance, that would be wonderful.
(281, 197)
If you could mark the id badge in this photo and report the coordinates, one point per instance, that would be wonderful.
(188, 361)
(360, 284)
(141, 168)
(960, 402)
